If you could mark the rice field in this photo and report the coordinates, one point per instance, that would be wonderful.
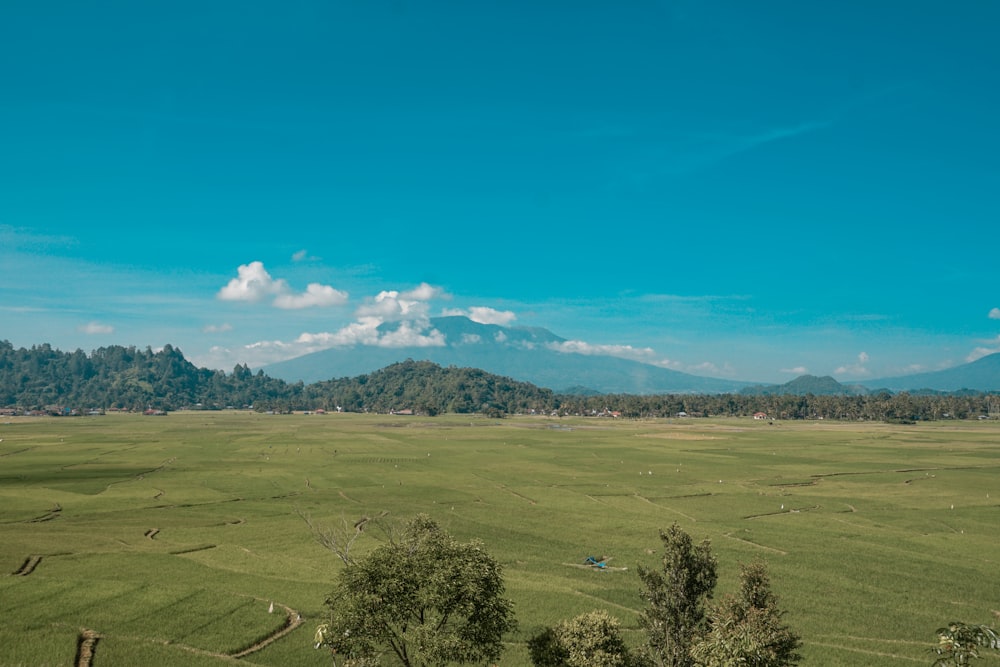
(179, 540)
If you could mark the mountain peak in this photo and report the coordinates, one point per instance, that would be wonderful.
(459, 329)
(528, 354)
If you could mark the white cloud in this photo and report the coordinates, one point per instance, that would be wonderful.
(645, 355)
(483, 315)
(856, 370)
(303, 256)
(995, 314)
(217, 328)
(622, 351)
(253, 283)
(853, 370)
(980, 352)
(392, 305)
(366, 332)
(471, 339)
(667, 363)
(424, 292)
(796, 370)
(406, 311)
(95, 328)
(411, 334)
(362, 332)
(315, 295)
(705, 367)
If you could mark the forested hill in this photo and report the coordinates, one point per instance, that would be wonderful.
(43, 378)
(125, 378)
(426, 388)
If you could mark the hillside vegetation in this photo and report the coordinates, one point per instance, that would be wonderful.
(126, 378)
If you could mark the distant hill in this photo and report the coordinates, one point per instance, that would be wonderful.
(524, 353)
(47, 381)
(980, 375)
(807, 384)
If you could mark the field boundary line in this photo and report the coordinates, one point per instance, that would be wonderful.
(754, 544)
(504, 487)
(293, 620)
(607, 602)
(669, 509)
(881, 654)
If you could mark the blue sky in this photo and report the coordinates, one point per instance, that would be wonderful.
(746, 190)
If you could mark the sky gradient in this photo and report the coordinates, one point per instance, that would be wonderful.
(743, 190)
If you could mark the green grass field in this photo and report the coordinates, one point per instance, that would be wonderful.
(171, 536)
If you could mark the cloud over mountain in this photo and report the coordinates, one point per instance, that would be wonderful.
(253, 284)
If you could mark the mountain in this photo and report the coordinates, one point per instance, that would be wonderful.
(980, 375)
(527, 354)
(807, 384)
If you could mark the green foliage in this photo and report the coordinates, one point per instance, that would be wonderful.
(423, 598)
(746, 628)
(427, 388)
(676, 595)
(959, 643)
(134, 379)
(128, 378)
(547, 650)
(592, 639)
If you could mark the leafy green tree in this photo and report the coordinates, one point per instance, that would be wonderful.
(959, 643)
(422, 599)
(676, 595)
(592, 639)
(746, 628)
(546, 650)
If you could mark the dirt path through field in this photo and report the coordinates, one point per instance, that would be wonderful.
(85, 645)
(87, 641)
(28, 566)
(292, 620)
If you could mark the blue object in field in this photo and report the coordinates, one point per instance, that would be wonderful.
(592, 561)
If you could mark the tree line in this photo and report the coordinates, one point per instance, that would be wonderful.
(130, 378)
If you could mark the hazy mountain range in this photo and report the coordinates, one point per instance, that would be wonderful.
(538, 356)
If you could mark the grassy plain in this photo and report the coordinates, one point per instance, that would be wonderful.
(170, 536)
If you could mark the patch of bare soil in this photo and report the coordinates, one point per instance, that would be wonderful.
(29, 565)
(85, 645)
(151, 533)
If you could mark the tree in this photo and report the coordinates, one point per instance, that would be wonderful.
(746, 628)
(592, 639)
(423, 598)
(959, 643)
(677, 594)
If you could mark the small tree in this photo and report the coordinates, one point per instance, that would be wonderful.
(959, 643)
(423, 599)
(546, 650)
(592, 639)
(746, 628)
(676, 594)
